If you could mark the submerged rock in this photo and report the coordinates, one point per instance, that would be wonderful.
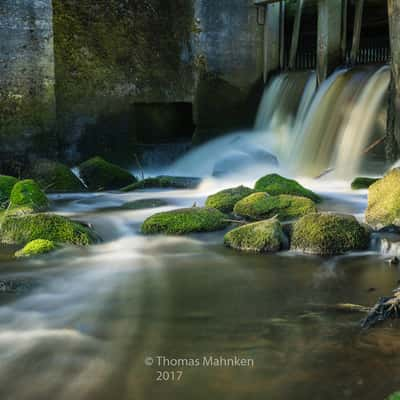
(384, 201)
(185, 220)
(262, 237)
(259, 206)
(241, 160)
(164, 182)
(26, 228)
(54, 177)
(329, 234)
(36, 247)
(6, 185)
(144, 203)
(275, 184)
(26, 196)
(99, 174)
(363, 183)
(226, 199)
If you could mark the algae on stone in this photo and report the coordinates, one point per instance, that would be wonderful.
(6, 185)
(26, 196)
(36, 247)
(260, 206)
(225, 200)
(329, 234)
(262, 237)
(164, 182)
(99, 174)
(275, 184)
(54, 177)
(25, 228)
(185, 220)
(362, 183)
(384, 201)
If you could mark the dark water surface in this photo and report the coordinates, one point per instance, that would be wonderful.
(80, 323)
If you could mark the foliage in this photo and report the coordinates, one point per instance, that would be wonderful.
(6, 185)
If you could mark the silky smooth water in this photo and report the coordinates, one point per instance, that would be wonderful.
(78, 324)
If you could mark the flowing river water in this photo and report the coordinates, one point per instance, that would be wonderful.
(79, 324)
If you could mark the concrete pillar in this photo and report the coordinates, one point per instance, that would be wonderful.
(358, 17)
(329, 47)
(393, 136)
(272, 40)
(27, 98)
(296, 34)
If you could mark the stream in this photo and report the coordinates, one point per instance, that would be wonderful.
(82, 323)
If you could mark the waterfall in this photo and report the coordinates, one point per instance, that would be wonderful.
(314, 130)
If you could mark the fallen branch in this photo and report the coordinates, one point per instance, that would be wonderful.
(235, 221)
(342, 307)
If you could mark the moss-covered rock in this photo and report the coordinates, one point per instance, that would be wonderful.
(6, 185)
(329, 234)
(36, 247)
(25, 228)
(260, 206)
(54, 177)
(362, 183)
(275, 184)
(26, 196)
(394, 396)
(142, 204)
(384, 201)
(226, 199)
(185, 220)
(164, 182)
(262, 237)
(99, 174)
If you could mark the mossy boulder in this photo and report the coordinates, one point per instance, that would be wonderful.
(26, 196)
(329, 234)
(143, 204)
(260, 206)
(394, 396)
(6, 185)
(226, 199)
(185, 220)
(99, 174)
(384, 201)
(54, 177)
(164, 182)
(36, 247)
(275, 185)
(25, 228)
(262, 237)
(363, 183)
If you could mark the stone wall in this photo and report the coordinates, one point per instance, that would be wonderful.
(27, 102)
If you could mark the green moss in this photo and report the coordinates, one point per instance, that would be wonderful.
(6, 185)
(226, 199)
(275, 184)
(394, 396)
(384, 201)
(54, 177)
(144, 203)
(27, 196)
(329, 234)
(36, 247)
(25, 228)
(259, 206)
(99, 174)
(185, 221)
(363, 183)
(262, 237)
(164, 182)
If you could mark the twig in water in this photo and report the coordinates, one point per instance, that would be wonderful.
(139, 165)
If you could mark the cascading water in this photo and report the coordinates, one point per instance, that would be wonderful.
(332, 126)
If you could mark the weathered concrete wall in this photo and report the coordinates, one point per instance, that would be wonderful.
(393, 136)
(229, 48)
(27, 102)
